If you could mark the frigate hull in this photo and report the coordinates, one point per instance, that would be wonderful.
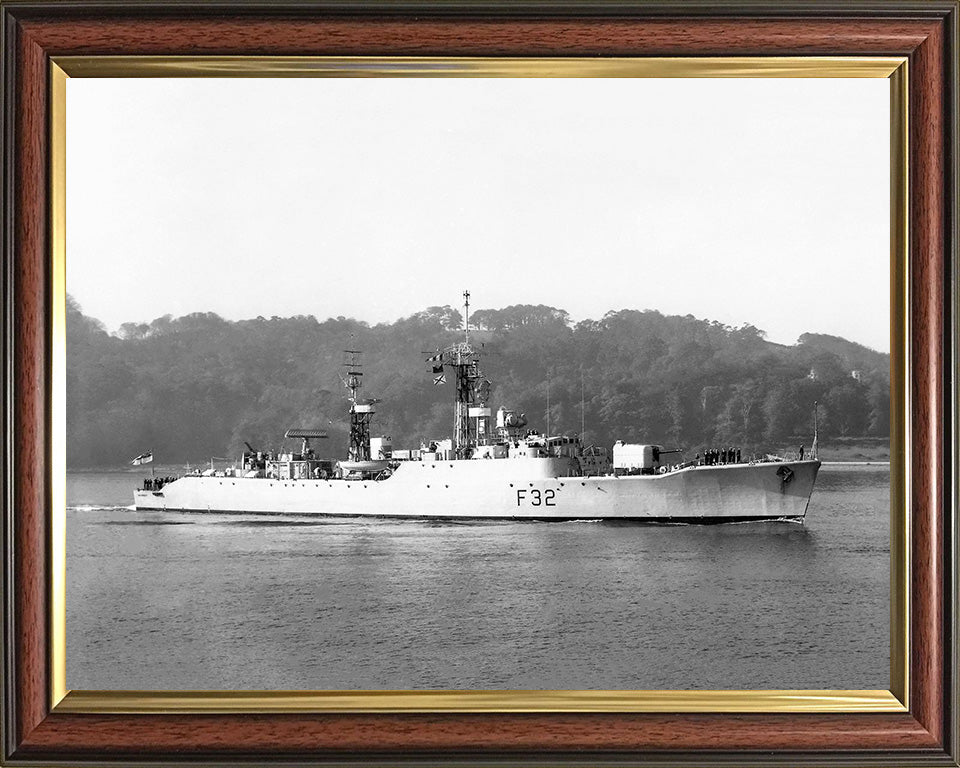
(533, 488)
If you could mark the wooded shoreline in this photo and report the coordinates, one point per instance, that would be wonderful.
(197, 386)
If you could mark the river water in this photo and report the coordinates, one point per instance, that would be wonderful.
(193, 601)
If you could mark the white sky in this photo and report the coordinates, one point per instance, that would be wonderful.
(740, 200)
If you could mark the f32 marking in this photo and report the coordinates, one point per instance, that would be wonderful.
(536, 497)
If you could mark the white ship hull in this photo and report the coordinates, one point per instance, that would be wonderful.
(536, 489)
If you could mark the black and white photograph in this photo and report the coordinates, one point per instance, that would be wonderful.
(442, 383)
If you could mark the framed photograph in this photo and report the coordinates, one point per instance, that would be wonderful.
(459, 383)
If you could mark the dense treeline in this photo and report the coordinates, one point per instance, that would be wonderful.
(198, 386)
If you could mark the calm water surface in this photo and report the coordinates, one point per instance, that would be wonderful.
(175, 601)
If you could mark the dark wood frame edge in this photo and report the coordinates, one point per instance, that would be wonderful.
(929, 739)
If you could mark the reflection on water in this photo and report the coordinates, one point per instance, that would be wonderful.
(166, 600)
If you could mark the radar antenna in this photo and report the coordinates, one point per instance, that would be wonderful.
(354, 378)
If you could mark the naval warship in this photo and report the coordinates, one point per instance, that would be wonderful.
(491, 466)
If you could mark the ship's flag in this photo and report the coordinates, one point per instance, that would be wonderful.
(438, 380)
(435, 358)
(143, 458)
(438, 369)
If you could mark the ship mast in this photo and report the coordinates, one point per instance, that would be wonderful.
(471, 416)
(465, 369)
(816, 436)
(361, 410)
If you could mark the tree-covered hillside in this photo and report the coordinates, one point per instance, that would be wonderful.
(198, 386)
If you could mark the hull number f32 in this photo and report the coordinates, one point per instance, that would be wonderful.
(536, 498)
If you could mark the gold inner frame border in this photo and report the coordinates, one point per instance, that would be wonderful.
(895, 69)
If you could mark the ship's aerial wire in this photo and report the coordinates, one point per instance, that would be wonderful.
(548, 405)
(582, 428)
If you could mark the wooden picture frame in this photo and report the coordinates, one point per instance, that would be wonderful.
(39, 728)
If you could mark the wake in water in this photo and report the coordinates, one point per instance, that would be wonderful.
(98, 508)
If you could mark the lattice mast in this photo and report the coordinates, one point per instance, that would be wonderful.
(466, 372)
(361, 410)
(471, 389)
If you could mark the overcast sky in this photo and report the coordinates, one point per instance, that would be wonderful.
(740, 200)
